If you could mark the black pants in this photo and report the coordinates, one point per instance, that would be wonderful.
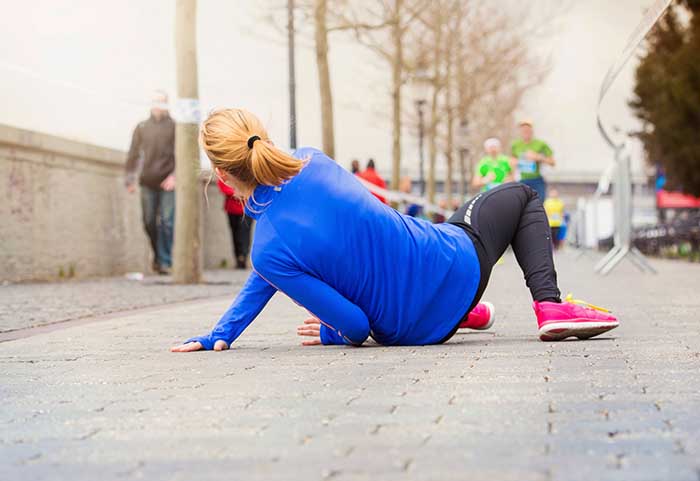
(555, 237)
(511, 215)
(240, 234)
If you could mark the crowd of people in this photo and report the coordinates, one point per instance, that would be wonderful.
(416, 282)
(152, 152)
(523, 163)
(300, 244)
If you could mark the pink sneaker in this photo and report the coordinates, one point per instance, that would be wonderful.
(572, 318)
(480, 318)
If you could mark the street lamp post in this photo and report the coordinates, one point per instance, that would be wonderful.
(420, 84)
(420, 104)
(292, 80)
(463, 139)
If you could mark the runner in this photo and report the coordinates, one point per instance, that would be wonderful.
(494, 168)
(554, 207)
(407, 282)
(530, 153)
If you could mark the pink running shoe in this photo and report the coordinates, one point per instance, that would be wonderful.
(480, 318)
(572, 318)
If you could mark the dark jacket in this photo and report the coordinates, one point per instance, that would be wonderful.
(154, 141)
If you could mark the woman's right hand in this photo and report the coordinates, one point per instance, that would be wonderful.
(197, 346)
(312, 328)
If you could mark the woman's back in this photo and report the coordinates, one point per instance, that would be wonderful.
(412, 279)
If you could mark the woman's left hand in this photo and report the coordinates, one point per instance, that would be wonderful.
(311, 328)
(197, 346)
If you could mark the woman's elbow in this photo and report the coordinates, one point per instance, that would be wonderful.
(356, 337)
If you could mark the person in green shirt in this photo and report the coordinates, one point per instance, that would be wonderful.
(530, 153)
(494, 168)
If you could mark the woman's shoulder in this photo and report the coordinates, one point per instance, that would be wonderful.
(309, 153)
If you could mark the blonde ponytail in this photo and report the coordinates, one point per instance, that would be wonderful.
(271, 166)
(226, 137)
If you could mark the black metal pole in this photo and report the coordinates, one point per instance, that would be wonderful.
(421, 135)
(465, 163)
(292, 80)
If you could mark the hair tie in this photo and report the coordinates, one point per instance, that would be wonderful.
(252, 140)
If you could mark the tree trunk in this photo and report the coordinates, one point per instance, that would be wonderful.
(434, 120)
(324, 78)
(397, 70)
(449, 157)
(187, 248)
(462, 175)
(450, 111)
(432, 145)
(461, 110)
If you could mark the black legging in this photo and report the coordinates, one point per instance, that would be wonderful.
(240, 234)
(511, 214)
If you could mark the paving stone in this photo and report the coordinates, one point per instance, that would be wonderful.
(106, 400)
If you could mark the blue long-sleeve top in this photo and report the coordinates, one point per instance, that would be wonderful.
(356, 264)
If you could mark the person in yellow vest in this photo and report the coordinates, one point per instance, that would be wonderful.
(555, 214)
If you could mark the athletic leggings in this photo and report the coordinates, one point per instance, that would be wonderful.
(511, 215)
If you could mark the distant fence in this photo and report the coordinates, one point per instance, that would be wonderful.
(678, 237)
(64, 212)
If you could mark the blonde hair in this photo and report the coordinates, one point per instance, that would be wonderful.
(225, 137)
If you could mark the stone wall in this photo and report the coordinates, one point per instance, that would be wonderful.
(64, 212)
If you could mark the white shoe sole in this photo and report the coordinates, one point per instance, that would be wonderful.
(558, 331)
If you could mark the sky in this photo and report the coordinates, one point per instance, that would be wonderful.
(86, 69)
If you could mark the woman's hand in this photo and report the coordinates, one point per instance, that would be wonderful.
(197, 346)
(311, 328)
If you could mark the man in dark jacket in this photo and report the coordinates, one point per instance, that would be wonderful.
(153, 143)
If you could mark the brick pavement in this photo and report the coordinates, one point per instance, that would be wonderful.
(27, 305)
(107, 400)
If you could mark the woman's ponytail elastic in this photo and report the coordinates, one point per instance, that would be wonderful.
(270, 165)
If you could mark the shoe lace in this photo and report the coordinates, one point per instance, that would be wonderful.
(570, 299)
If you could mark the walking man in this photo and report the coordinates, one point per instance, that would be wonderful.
(153, 143)
(530, 153)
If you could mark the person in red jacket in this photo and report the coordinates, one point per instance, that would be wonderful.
(240, 225)
(370, 175)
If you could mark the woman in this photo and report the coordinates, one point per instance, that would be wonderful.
(408, 282)
(239, 224)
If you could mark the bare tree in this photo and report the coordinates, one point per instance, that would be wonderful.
(479, 61)
(324, 76)
(450, 99)
(382, 26)
(496, 66)
(436, 24)
(480, 67)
